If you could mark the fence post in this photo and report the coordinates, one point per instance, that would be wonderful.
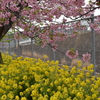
(9, 47)
(93, 44)
(18, 49)
(54, 56)
(14, 46)
(32, 47)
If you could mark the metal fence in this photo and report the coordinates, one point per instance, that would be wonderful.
(87, 41)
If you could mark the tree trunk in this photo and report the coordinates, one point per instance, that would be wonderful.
(5, 28)
(1, 60)
(3, 31)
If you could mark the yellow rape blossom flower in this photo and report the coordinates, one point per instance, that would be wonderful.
(79, 63)
(25, 77)
(21, 94)
(68, 98)
(16, 97)
(11, 95)
(87, 80)
(42, 80)
(88, 97)
(48, 90)
(15, 85)
(23, 98)
(59, 88)
(54, 98)
(79, 94)
(98, 98)
(45, 56)
(83, 83)
(94, 96)
(3, 97)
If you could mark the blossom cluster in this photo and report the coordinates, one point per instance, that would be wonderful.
(31, 15)
(34, 79)
(73, 54)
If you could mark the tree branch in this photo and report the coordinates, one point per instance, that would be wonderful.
(5, 28)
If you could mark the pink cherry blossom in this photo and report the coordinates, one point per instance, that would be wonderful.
(92, 25)
(72, 54)
(73, 35)
(17, 36)
(86, 57)
(13, 18)
(54, 47)
(97, 30)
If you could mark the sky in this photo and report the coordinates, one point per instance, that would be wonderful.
(97, 12)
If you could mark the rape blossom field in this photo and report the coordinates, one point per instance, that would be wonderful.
(35, 79)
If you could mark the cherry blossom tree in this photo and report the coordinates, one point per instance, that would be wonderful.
(31, 15)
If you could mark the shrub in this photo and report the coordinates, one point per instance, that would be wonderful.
(34, 79)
